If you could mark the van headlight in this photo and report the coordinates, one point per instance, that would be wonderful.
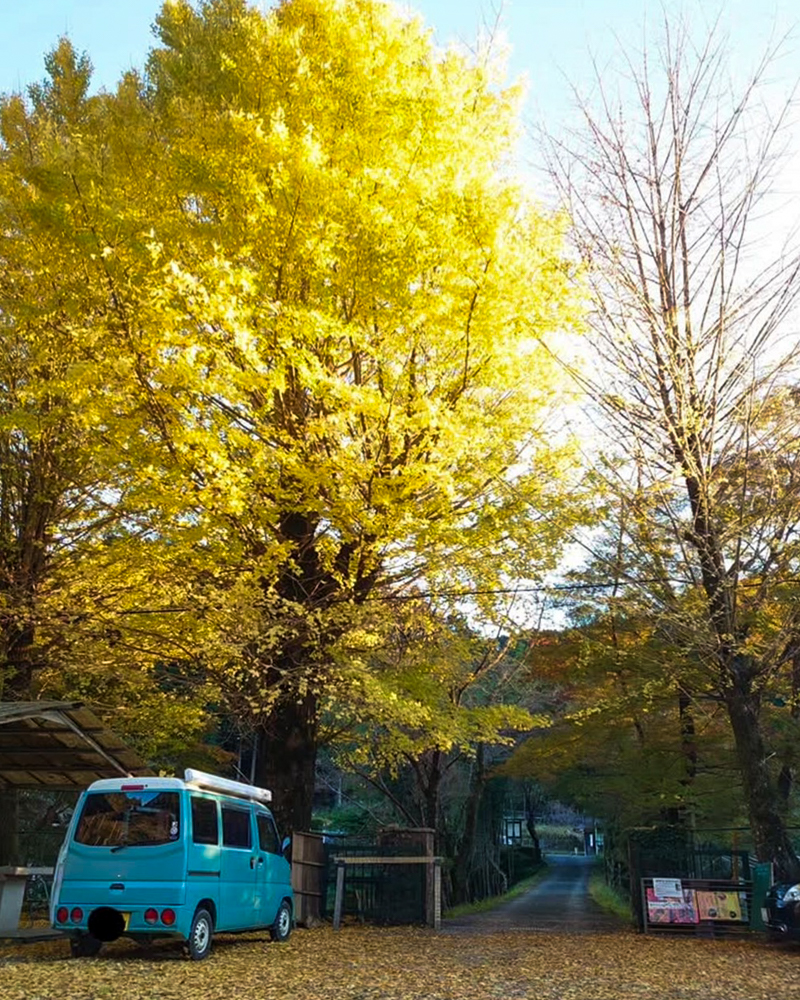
(792, 895)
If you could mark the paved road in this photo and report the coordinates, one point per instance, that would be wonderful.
(560, 902)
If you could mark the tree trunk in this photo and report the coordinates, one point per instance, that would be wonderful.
(17, 642)
(530, 823)
(431, 791)
(286, 760)
(465, 857)
(287, 738)
(770, 838)
(688, 738)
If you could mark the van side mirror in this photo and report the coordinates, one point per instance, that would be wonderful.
(287, 843)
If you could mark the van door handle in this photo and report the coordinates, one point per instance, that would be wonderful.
(254, 860)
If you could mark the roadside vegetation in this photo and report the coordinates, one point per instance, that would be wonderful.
(608, 898)
(491, 902)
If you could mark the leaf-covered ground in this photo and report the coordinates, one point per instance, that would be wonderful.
(366, 963)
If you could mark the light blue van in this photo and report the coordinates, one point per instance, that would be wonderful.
(171, 857)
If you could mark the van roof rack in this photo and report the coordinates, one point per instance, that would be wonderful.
(214, 783)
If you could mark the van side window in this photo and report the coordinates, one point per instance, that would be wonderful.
(235, 827)
(267, 834)
(204, 821)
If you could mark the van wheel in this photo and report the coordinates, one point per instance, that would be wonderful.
(198, 944)
(282, 927)
(84, 946)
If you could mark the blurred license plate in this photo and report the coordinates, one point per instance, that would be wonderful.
(765, 914)
(127, 918)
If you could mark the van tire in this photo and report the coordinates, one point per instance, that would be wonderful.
(198, 944)
(282, 927)
(84, 946)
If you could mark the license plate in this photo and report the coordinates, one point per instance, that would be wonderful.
(127, 918)
(765, 914)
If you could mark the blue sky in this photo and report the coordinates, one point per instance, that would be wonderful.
(550, 39)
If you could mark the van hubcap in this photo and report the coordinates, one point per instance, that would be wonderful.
(201, 933)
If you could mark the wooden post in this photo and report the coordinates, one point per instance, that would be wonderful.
(339, 901)
(437, 895)
(308, 877)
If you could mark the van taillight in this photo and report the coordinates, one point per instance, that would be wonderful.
(151, 916)
(62, 914)
(77, 915)
(168, 917)
(132, 788)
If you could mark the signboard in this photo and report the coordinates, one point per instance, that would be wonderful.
(667, 888)
(720, 906)
(672, 909)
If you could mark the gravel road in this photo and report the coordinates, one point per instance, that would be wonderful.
(560, 902)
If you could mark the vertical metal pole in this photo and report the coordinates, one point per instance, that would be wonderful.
(437, 895)
(339, 901)
(253, 759)
(645, 914)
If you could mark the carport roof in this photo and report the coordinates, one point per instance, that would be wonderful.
(59, 745)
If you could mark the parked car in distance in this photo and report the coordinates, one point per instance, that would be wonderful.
(781, 911)
(171, 857)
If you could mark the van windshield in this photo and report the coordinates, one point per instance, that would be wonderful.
(129, 819)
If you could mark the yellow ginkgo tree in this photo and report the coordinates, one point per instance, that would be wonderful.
(338, 335)
(327, 296)
(67, 418)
